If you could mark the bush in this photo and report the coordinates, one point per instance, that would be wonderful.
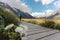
(9, 17)
(49, 24)
(9, 34)
(1, 23)
(29, 21)
(34, 22)
(57, 26)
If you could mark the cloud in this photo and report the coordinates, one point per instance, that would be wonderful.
(17, 4)
(47, 13)
(46, 2)
(57, 4)
(36, 0)
(38, 14)
(17, 0)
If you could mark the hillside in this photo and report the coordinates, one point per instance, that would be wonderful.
(15, 10)
(55, 14)
(57, 17)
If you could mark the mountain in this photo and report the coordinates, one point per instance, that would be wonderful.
(15, 10)
(56, 14)
(57, 17)
(24, 15)
(52, 16)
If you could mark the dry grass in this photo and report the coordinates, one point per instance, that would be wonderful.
(38, 21)
(50, 23)
(57, 21)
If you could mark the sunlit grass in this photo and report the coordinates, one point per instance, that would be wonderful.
(38, 21)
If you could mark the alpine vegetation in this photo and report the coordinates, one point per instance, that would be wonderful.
(9, 26)
(12, 30)
(21, 31)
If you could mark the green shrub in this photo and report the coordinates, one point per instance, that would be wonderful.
(57, 26)
(49, 24)
(29, 21)
(1, 22)
(43, 24)
(34, 22)
(9, 34)
(9, 17)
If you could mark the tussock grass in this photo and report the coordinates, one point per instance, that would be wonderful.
(50, 23)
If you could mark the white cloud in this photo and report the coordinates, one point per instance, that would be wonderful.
(36, 0)
(17, 0)
(17, 4)
(25, 7)
(49, 12)
(43, 14)
(57, 4)
(46, 2)
(38, 14)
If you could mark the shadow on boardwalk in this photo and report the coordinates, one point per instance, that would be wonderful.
(36, 32)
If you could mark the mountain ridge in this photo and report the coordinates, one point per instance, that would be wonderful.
(15, 10)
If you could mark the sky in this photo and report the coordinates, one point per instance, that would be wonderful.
(37, 8)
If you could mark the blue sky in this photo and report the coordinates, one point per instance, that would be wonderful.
(38, 6)
(42, 8)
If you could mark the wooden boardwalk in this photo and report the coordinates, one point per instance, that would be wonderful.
(36, 32)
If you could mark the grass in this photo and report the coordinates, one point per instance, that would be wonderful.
(1, 23)
(50, 23)
(38, 21)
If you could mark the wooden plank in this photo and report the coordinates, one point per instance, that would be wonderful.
(32, 27)
(40, 35)
(37, 31)
(52, 37)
